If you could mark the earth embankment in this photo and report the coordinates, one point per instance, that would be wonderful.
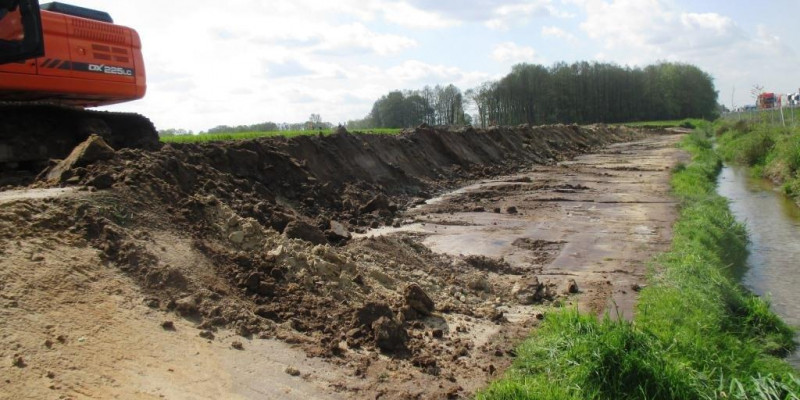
(191, 270)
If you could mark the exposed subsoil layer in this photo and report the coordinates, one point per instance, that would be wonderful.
(229, 270)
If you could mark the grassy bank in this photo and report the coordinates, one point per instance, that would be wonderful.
(697, 333)
(772, 151)
(217, 137)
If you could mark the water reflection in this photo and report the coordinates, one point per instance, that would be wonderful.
(773, 222)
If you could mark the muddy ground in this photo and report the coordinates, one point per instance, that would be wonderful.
(320, 267)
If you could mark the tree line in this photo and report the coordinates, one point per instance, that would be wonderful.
(581, 92)
(314, 122)
(439, 105)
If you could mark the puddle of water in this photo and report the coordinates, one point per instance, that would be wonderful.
(773, 222)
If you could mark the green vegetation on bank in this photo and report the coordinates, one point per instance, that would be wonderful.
(772, 151)
(697, 333)
(217, 137)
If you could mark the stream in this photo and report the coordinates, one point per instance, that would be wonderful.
(773, 223)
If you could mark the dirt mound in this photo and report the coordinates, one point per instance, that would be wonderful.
(254, 236)
(356, 179)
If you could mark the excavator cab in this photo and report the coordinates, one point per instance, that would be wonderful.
(21, 35)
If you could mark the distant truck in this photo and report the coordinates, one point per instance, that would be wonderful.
(767, 101)
(794, 99)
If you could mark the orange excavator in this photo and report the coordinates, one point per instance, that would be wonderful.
(55, 60)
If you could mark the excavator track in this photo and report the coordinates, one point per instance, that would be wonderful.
(35, 134)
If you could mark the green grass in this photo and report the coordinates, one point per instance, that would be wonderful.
(771, 151)
(218, 137)
(697, 333)
(690, 123)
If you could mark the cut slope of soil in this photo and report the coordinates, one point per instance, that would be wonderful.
(251, 239)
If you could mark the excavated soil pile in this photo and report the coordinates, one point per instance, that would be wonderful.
(255, 236)
(356, 180)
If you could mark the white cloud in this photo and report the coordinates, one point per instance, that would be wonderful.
(492, 13)
(656, 27)
(404, 14)
(552, 31)
(507, 16)
(344, 39)
(646, 31)
(415, 73)
(510, 52)
(288, 68)
(249, 61)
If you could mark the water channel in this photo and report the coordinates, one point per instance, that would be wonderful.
(773, 222)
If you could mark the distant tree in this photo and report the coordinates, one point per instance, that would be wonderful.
(315, 121)
(360, 124)
(581, 93)
(174, 132)
(259, 127)
(595, 92)
(440, 105)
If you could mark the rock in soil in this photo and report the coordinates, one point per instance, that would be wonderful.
(389, 334)
(298, 229)
(338, 232)
(91, 150)
(417, 299)
(371, 312)
(206, 335)
(168, 325)
(571, 287)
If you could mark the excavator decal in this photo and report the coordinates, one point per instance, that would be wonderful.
(86, 67)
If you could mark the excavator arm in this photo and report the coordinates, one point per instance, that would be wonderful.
(21, 35)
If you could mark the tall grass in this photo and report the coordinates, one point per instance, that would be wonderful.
(697, 334)
(773, 152)
(219, 137)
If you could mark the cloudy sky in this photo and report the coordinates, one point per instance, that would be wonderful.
(246, 61)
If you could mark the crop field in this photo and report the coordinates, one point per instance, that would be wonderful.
(690, 123)
(221, 137)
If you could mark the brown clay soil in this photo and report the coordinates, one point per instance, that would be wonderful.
(345, 266)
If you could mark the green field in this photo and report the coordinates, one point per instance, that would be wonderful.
(689, 123)
(219, 137)
(697, 333)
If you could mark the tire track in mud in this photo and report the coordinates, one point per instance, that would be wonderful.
(589, 219)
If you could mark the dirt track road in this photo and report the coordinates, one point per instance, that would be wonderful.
(597, 219)
(75, 325)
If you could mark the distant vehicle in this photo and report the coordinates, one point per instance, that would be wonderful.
(767, 101)
(794, 99)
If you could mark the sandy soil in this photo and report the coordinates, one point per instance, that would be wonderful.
(104, 294)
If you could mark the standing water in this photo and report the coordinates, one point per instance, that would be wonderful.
(773, 223)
